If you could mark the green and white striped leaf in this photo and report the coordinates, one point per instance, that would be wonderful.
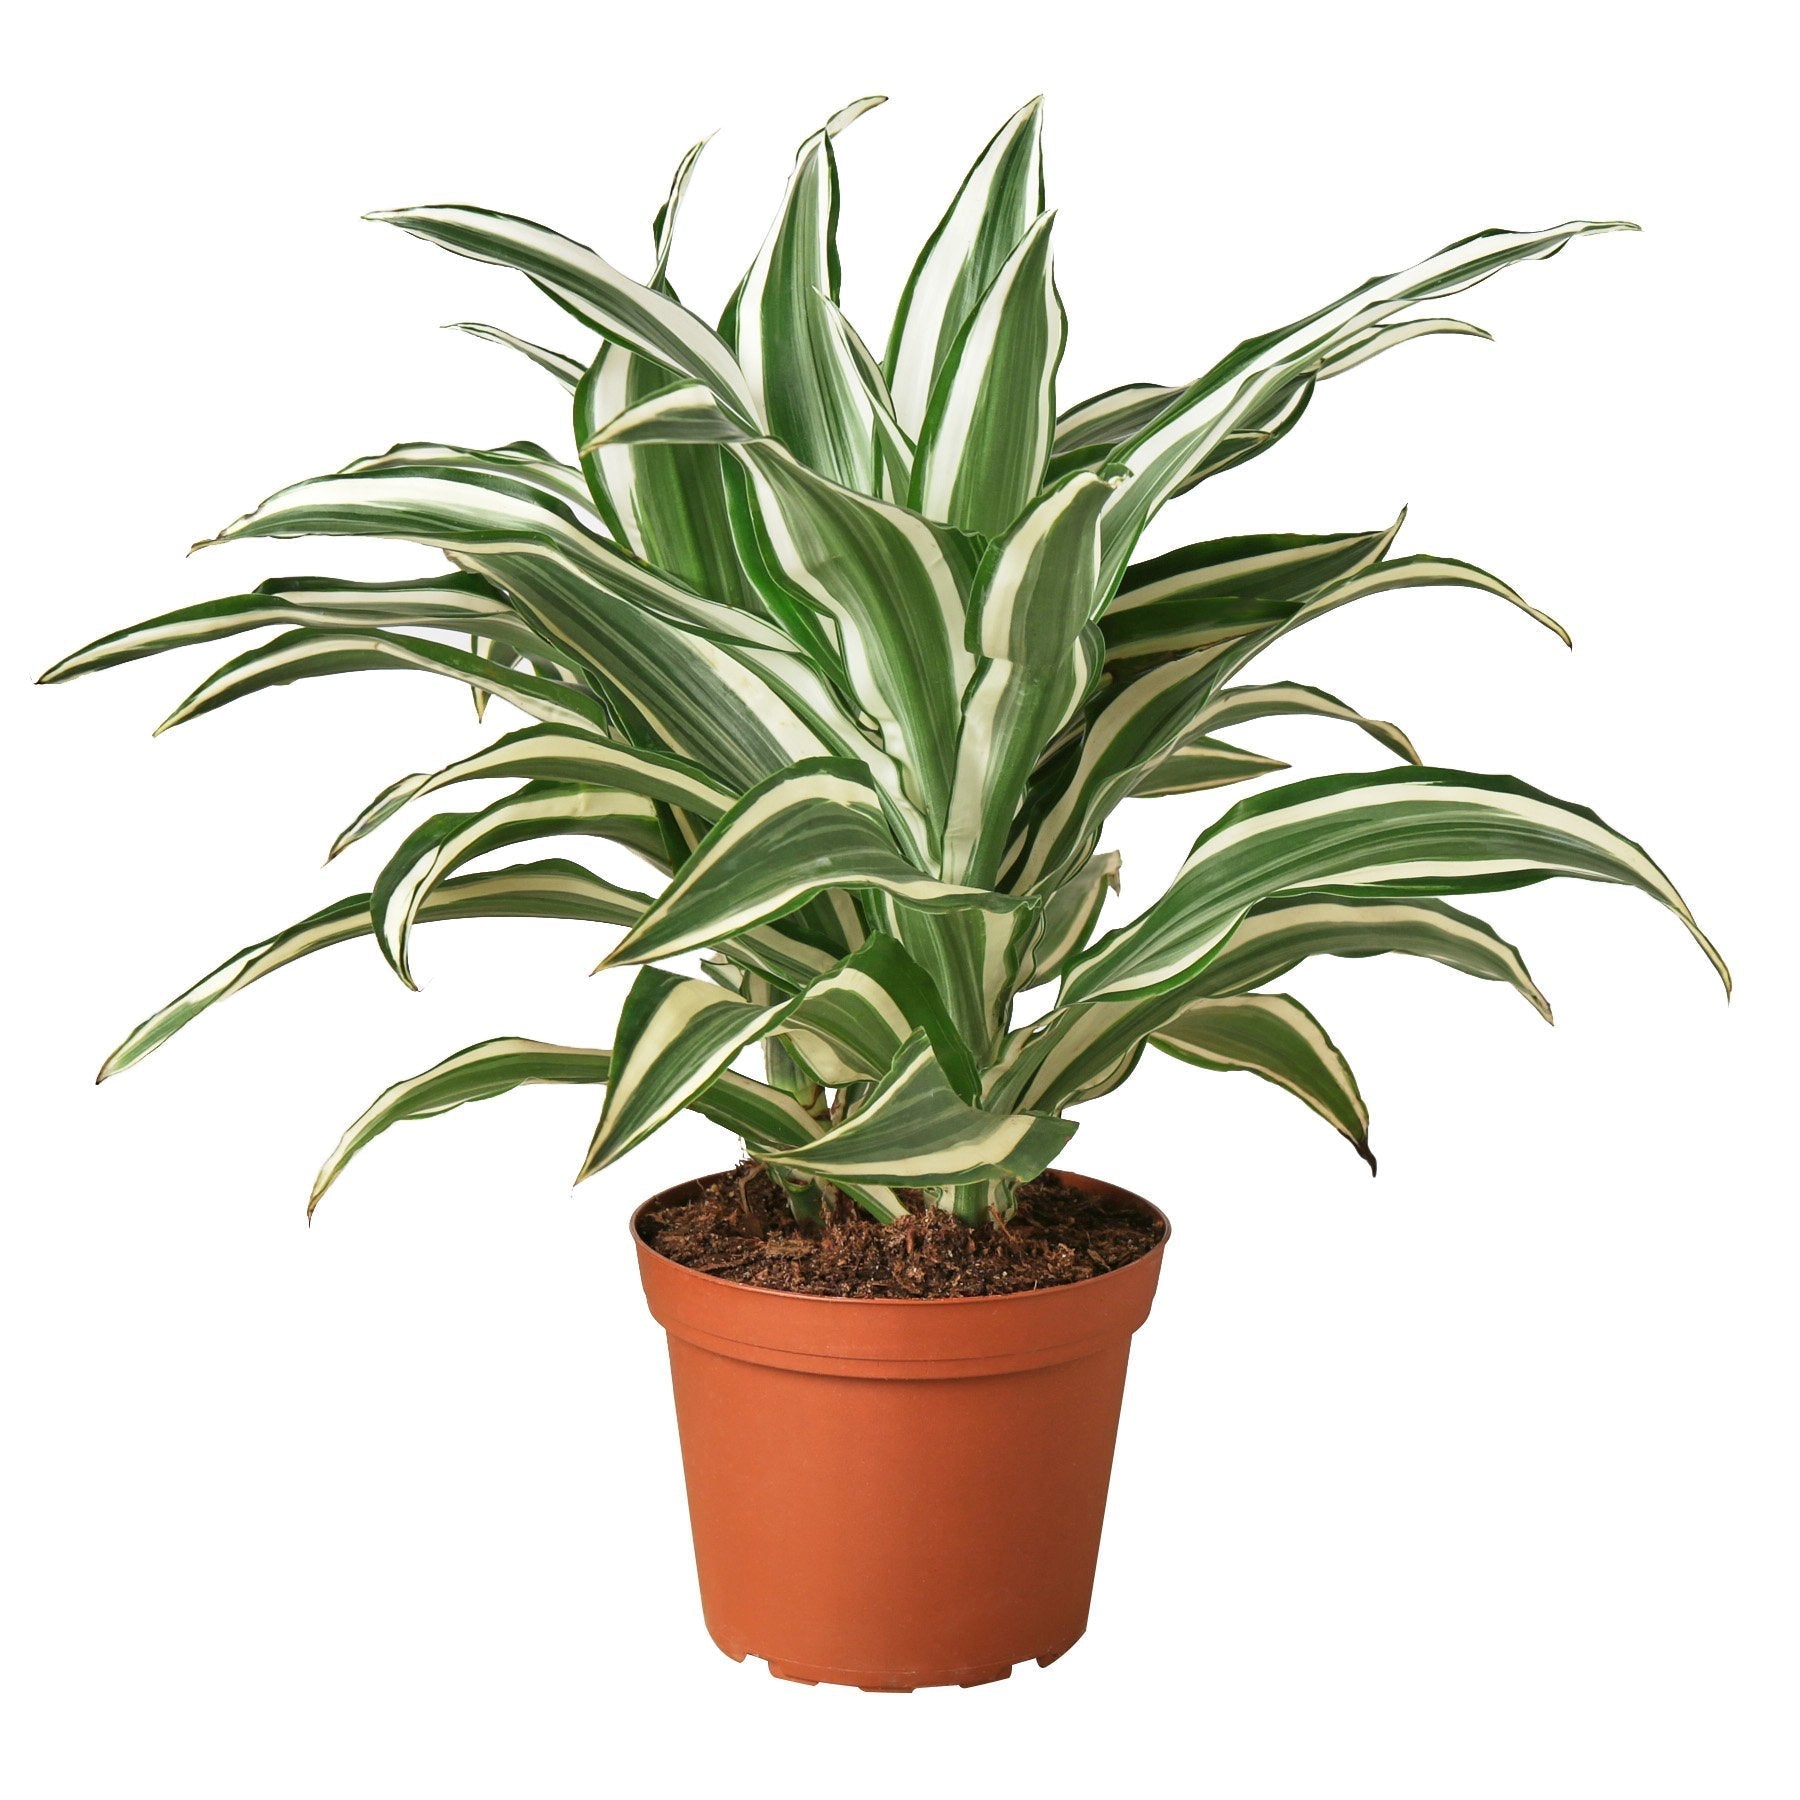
(451, 602)
(1096, 425)
(888, 589)
(986, 437)
(643, 320)
(710, 682)
(849, 1025)
(1275, 1037)
(1201, 763)
(554, 753)
(998, 199)
(676, 1034)
(306, 654)
(1289, 699)
(564, 370)
(1399, 832)
(914, 1131)
(1029, 623)
(664, 502)
(815, 827)
(1069, 917)
(501, 1064)
(1131, 730)
(541, 890)
(1277, 935)
(787, 340)
(1256, 377)
(683, 413)
(1228, 588)
(541, 809)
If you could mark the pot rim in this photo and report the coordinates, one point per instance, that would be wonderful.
(1087, 1284)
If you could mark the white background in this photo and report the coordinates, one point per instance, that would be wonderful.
(1479, 1479)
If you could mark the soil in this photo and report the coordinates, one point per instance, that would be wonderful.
(739, 1227)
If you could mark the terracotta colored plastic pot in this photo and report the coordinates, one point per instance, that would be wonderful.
(896, 1494)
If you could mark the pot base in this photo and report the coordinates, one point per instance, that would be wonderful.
(873, 1681)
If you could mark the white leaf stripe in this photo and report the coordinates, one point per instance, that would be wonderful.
(638, 317)
(1107, 419)
(542, 890)
(1275, 1037)
(998, 199)
(499, 1065)
(443, 843)
(708, 681)
(677, 1033)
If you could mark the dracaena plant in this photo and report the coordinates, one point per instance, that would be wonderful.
(851, 650)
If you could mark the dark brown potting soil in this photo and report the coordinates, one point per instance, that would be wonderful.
(738, 1226)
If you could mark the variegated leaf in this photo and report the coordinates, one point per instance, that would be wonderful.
(499, 1065)
(987, 430)
(541, 890)
(998, 199)
(914, 1131)
(538, 810)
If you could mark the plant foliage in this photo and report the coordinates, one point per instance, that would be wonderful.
(853, 653)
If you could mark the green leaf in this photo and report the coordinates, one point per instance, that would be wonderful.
(1069, 917)
(1034, 596)
(782, 327)
(888, 588)
(914, 1131)
(1200, 763)
(987, 431)
(1400, 832)
(676, 1035)
(1238, 706)
(1262, 373)
(501, 1064)
(564, 370)
(305, 654)
(1277, 1038)
(540, 809)
(998, 199)
(540, 890)
(554, 753)
(623, 311)
(1228, 588)
(450, 602)
(1276, 935)
(815, 827)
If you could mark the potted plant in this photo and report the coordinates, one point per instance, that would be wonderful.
(852, 651)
